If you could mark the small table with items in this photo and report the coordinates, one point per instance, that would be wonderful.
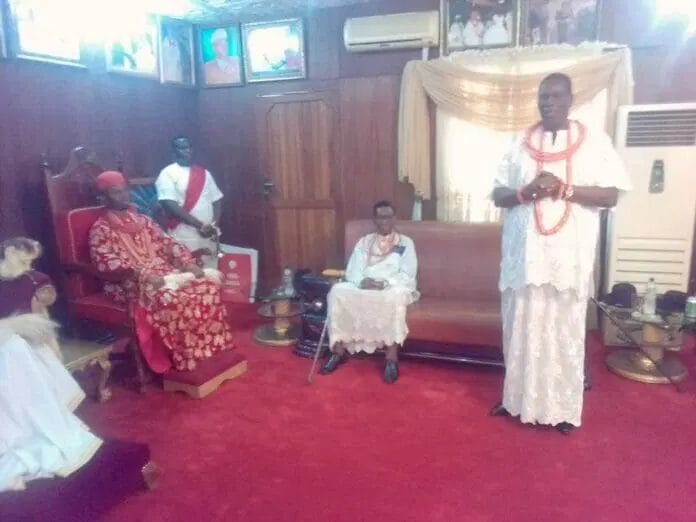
(283, 331)
(659, 337)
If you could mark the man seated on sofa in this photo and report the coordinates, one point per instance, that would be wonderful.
(368, 311)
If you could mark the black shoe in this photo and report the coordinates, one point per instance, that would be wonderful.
(332, 363)
(391, 372)
(499, 411)
(565, 428)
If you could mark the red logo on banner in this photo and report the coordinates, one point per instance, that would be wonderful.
(236, 277)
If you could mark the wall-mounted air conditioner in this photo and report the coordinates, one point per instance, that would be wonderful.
(397, 31)
(651, 231)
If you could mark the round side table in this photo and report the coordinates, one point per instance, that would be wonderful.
(655, 362)
(282, 331)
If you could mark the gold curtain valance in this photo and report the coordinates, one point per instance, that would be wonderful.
(497, 89)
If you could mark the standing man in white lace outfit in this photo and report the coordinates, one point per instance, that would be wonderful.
(553, 183)
(368, 311)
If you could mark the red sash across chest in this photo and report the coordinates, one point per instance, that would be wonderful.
(194, 189)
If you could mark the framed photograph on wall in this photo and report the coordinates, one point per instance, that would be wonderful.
(177, 62)
(274, 50)
(221, 56)
(479, 24)
(134, 49)
(37, 36)
(560, 21)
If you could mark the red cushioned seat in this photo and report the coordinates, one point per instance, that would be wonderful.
(458, 267)
(455, 321)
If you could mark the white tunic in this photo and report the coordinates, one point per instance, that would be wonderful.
(546, 280)
(366, 320)
(39, 435)
(171, 185)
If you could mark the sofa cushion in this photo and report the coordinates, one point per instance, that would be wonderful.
(455, 321)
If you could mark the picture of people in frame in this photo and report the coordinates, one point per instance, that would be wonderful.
(560, 21)
(176, 52)
(480, 23)
(135, 50)
(221, 54)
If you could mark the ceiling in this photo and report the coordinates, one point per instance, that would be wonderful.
(210, 11)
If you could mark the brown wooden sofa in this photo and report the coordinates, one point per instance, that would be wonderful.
(458, 315)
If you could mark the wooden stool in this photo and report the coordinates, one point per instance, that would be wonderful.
(208, 375)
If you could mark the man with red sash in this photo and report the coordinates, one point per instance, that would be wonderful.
(191, 198)
(178, 316)
(552, 183)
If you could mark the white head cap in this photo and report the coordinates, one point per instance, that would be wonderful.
(218, 34)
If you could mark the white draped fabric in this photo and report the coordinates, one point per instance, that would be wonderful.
(467, 153)
(39, 434)
(366, 320)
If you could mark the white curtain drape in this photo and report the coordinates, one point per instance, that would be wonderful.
(467, 161)
(468, 153)
(496, 90)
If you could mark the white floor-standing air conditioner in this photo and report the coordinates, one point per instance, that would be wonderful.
(651, 231)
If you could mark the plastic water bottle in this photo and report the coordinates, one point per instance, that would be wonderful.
(649, 302)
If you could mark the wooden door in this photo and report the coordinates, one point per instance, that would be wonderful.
(297, 140)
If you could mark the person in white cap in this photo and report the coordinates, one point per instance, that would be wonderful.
(223, 68)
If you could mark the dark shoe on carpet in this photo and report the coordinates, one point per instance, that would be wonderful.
(565, 427)
(499, 411)
(334, 362)
(391, 372)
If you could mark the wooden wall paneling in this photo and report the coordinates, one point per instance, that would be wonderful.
(50, 109)
(368, 162)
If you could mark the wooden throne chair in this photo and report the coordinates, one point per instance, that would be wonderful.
(72, 197)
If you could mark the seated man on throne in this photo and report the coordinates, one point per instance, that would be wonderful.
(177, 311)
(368, 311)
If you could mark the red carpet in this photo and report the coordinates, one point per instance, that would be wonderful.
(269, 447)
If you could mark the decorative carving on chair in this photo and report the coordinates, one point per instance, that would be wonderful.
(73, 187)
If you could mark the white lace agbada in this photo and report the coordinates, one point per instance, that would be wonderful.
(366, 320)
(546, 280)
(39, 435)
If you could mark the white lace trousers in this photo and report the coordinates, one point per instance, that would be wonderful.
(544, 348)
(366, 320)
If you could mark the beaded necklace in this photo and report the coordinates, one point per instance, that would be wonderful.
(542, 157)
(384, 246)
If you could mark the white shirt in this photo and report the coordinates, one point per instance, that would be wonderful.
(171, 185)
(565, 259)
(399, 268)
